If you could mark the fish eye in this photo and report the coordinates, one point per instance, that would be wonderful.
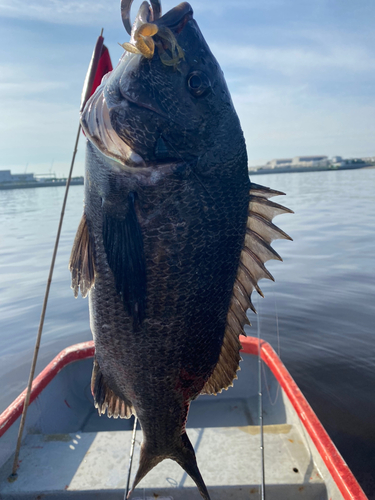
(199, 83)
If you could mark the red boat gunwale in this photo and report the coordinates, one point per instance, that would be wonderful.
(342, 475)
(65, 357)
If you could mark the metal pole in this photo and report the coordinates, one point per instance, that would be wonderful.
(13, 476)
(131, 457)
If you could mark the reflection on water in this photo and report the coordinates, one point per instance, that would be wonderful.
(323, 295)
(28, 225)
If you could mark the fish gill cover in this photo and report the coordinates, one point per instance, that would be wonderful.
(173, 238)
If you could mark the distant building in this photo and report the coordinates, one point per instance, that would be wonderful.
(283, 162)
(6, 176)
(315, 162)
(22, 177)
(310, 161)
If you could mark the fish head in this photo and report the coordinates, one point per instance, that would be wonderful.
(167, 100)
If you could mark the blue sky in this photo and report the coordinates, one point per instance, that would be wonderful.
(301, 74)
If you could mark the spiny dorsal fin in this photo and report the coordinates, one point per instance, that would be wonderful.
(106, 399)
(254, 265)
(81, 263)
(260, 233)
(263, 191)
(265, 208)
(260, 247)
(257, 250)
(265, 229)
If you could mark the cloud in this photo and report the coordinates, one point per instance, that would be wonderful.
(87, 13)
(296, 60)
(282, 122)
(68, 12)
(60, 11)
(33, 130)
(220, 7)
(17, 80)
(301, 84)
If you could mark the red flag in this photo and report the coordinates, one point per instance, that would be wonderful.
(104, 67)
(100, 64)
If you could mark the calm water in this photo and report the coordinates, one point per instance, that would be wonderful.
(323, 297)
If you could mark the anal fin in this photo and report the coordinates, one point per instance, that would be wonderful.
(81, 262)
(227, 366)
(105, 399)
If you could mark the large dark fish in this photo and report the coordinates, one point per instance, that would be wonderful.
(173, 238)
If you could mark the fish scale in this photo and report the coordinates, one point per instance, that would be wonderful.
(167, 248)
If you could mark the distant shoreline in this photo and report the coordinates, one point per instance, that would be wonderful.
(78, 181)
(38, 184)
(281, 170)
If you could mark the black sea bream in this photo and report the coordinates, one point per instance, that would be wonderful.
(174, 236)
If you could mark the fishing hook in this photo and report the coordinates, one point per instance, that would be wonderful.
(125, 12)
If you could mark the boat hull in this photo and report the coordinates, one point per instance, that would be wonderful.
(69, 451)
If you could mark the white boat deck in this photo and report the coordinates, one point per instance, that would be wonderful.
(85, 464)
(71, 452)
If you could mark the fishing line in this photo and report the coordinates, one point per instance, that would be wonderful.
(260, 394)
(131, 457)
(278, 353)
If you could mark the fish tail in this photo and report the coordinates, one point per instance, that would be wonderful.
(183, 454)
(147, 461)
(188, 462)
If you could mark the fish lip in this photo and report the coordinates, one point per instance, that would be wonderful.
(96, 124)
(177, 17)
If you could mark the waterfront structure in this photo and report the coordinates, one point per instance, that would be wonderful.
(336, 159)
(310, 161)
(298, 161)
(283, 162)
(7, 176)
(16, 181)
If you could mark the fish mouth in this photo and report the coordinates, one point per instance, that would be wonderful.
(95, 118)
(96, 123)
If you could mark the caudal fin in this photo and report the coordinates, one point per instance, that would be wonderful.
(183, 454)
(188, 462)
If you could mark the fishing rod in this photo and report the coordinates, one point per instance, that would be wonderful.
(260, 401)
(131, 457)
(86, 92)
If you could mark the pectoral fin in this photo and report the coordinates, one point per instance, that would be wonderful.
(123, 243)
(81, 263)
(260, 232)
